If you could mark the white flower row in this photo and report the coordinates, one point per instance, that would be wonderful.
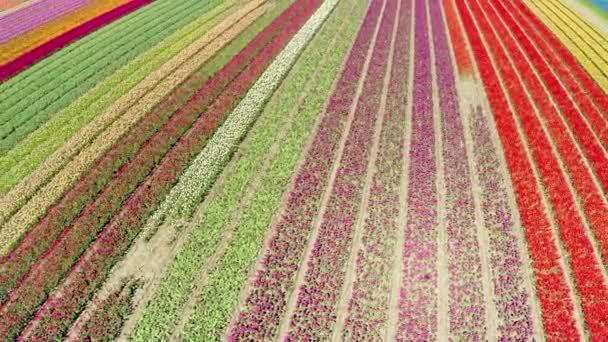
(200, 175)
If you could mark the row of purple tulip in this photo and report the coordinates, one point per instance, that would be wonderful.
(34, 15)
(369, 304)
(266, 301)
(315, 314)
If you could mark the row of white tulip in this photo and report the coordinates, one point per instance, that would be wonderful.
(200, 175)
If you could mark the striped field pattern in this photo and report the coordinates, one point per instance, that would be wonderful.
(304, 170)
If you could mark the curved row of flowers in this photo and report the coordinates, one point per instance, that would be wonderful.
(155, 135)
(122, 117)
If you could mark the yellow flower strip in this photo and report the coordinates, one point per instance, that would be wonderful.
(599, 40)
(584, 54)
(61, 182)
(580, 35)
(50, 30)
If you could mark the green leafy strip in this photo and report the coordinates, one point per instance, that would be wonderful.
(31, 152)
(182, 274)
(66, 85)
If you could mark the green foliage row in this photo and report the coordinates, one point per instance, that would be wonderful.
(33, 150)
(182, 275)
(219, 297)
(79, 74)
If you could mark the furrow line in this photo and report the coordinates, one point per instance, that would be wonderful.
(315, 313)
(470, 287)
(366, 206)
(398, 272)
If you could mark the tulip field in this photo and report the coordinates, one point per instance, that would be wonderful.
(304, 170)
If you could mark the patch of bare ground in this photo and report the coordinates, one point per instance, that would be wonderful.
(146, 261)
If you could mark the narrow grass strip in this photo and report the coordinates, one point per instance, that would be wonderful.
(143, 73)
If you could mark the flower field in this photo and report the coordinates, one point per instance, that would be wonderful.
(303, 170)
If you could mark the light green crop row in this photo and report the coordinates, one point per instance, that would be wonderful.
(66, 86)
(182, 274)
(32, 78)
(31, 152)
(219, 297)
(164, 309)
